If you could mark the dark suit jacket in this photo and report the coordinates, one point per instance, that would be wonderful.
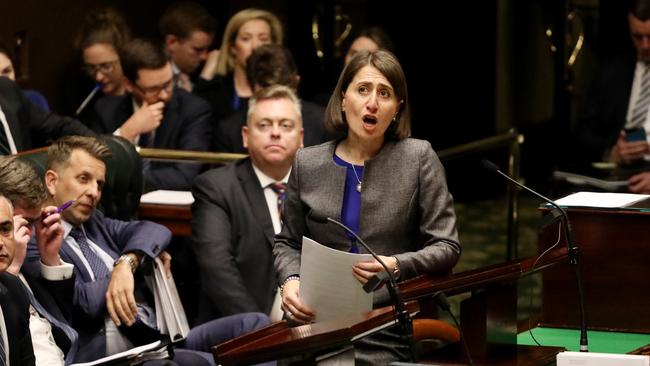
(232, 238)
(31, 126)
(219, 93)
(606, 109)
(89, 298)
(227, 137)
(186, 125)
(52, 295)
(15, 307)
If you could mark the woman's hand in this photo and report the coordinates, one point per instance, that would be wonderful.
(364, 270)
(293, 307)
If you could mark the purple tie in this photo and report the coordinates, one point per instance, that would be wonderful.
(281, 190)
(96, 264)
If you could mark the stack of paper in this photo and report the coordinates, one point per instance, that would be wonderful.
(152, 351)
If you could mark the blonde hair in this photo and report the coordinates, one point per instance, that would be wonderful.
(225, 64)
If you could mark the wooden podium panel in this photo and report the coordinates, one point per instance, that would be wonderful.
(176, 218)
(615, 258)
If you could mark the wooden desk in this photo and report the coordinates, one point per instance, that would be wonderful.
(176, 218)
(615, 259)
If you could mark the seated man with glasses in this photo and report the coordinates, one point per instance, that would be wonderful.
(155, 113)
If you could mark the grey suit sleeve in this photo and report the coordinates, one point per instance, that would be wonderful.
(437, 226)
(288, 243)
(213, 247)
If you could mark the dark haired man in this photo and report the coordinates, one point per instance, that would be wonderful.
(157, 114)
(619, 100)
(269, 65)
(188, 30)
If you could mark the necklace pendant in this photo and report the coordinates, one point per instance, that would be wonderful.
(359, 187)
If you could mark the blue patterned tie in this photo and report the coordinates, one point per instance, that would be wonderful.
(96, 264)
(72, 334)
(281, 190)
(640, 110)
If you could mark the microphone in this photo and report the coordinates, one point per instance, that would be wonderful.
(571, 244)
(402, 314)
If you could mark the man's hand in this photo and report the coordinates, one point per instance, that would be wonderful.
(364, 270)
(49, 237)
(625, 152)
(640, 183)
(293, 307)
(22, 234)
(166, 259)
(145, 120)
(120, 299)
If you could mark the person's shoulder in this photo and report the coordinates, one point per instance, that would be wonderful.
(317, 152)
(220, 175)
(190, 102)
(8, 88)
(413, 146)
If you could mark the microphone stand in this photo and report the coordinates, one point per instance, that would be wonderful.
(402, 314)
(574, 255)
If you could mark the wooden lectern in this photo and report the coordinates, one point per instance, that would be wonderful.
(613, 246)
(488, 320)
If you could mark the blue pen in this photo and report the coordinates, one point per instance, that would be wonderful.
(63, 206)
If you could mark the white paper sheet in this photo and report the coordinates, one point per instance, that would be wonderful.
(164, 197)
(327, 284)
(600, 199)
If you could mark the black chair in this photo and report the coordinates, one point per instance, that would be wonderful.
(124, 182)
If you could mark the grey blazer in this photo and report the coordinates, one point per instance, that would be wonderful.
(406, 209)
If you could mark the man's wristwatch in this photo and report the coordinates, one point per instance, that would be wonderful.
(396, 271)
(129, 259)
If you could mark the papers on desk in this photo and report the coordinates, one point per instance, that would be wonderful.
(601, 200)
(327, 284)
(164, 197)
(152, 351)
(170, 314)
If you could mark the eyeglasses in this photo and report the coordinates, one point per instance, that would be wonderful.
(151, 91)
(104, 68)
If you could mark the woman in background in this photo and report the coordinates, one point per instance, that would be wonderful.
(223, 80)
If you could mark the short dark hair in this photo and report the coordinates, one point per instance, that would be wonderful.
(389, 66)
(140, 53)
(640, 9)
(58, 154)
(105, 26)
(181, 19)
(271, 64)
(20, 184)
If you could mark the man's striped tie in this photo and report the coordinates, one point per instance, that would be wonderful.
(640, 111)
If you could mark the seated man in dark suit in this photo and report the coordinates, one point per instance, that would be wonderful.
(24, 126)
(619, 100)
(14, 322)
(110, 312)
(54, 341)
(269, 65)
(157, 114)
(235, 214)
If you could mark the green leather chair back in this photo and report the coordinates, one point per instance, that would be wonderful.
(124, 181)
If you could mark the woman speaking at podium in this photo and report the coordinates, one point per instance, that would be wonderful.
(389, 188)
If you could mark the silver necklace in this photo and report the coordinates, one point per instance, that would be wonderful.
(356, 176)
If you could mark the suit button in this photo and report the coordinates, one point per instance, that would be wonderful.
(102, 331)
(156, 248)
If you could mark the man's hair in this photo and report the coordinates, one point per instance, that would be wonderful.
(377, 35)
(273, 92)
(20, 184)
(103, 26)
(226, 62)
(58, 154)
(271, 64)
(140, 53)
(389, 66)
(183, 18)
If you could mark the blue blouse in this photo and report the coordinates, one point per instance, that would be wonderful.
(351, 209)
